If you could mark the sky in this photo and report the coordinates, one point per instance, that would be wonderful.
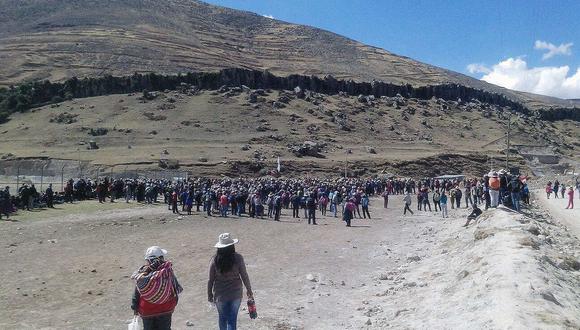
(527, 45)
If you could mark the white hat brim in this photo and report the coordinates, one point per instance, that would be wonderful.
(219, 245)
(163, 251)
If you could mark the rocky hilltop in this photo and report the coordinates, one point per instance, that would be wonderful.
(59, 39)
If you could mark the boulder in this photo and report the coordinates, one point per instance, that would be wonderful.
(307, 148)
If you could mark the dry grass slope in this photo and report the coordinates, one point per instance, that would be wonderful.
(57, 39)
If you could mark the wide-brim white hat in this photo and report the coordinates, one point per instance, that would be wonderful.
(155, 252)
(225, 240)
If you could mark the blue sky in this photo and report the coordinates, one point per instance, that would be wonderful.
(497, 38)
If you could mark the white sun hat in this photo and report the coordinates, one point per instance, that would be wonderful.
(155, 252)
(225, 240)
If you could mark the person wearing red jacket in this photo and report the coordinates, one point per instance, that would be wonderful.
(570, 198)
(156, 291)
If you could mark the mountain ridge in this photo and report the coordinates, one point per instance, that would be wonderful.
(58, 39)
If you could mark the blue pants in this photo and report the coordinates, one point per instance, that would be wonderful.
(516, 201)
(228, 313)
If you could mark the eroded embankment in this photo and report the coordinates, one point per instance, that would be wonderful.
(508, 270)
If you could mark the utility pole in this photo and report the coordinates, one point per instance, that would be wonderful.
(348, 151)
(507, 153)
(80, 167)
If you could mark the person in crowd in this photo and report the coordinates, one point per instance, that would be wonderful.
(474, 214)
(458, 195)
(5, 203)
(365, 206)
(556, 188)
(223, 205)
(419, 200)
(437, 200)
(174, 200)
(189, 202)
(322, 203)
(311, 206)
(548, 189)
(156, 291)
(443, 205)
(295, 201)
(227, 273)
(468, 199)
(425, 199)
(385, 198)
(570, 198)
(515, 188)
(408, 200)
(494, 186)
(452, 197)
(49, 193)
(277, 206)
(348, 213)
(336, 201)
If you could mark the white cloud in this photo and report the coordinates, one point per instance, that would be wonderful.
(553, 50)
(514, 73)
(477, 68)
(269, 16)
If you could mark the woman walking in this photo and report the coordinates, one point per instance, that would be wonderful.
(348, 213)
(227, 272)
(156, 291)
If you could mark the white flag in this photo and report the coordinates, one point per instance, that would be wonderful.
(278, 164)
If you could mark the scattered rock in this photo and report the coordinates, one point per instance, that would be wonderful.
(547, 295)
(189, 323)
(414, 258)
(463, 274)
(533, 229)
(154, 117)
(64, 118)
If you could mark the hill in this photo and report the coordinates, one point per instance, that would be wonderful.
(59, 39)
(236, 131)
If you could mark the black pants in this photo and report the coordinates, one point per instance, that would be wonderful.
(366, 212)
(277, 211)
(157, 323)
(296, 212)
(312, 216)
(407, 208)
(437, 204)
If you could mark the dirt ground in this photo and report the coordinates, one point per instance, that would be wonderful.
(73, 271)
(70, 269)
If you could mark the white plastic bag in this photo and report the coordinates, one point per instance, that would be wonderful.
(134, 325)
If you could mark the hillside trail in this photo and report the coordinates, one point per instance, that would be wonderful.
(557, 208)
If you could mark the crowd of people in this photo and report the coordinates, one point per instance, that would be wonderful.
(560, 188)
(268, 197)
